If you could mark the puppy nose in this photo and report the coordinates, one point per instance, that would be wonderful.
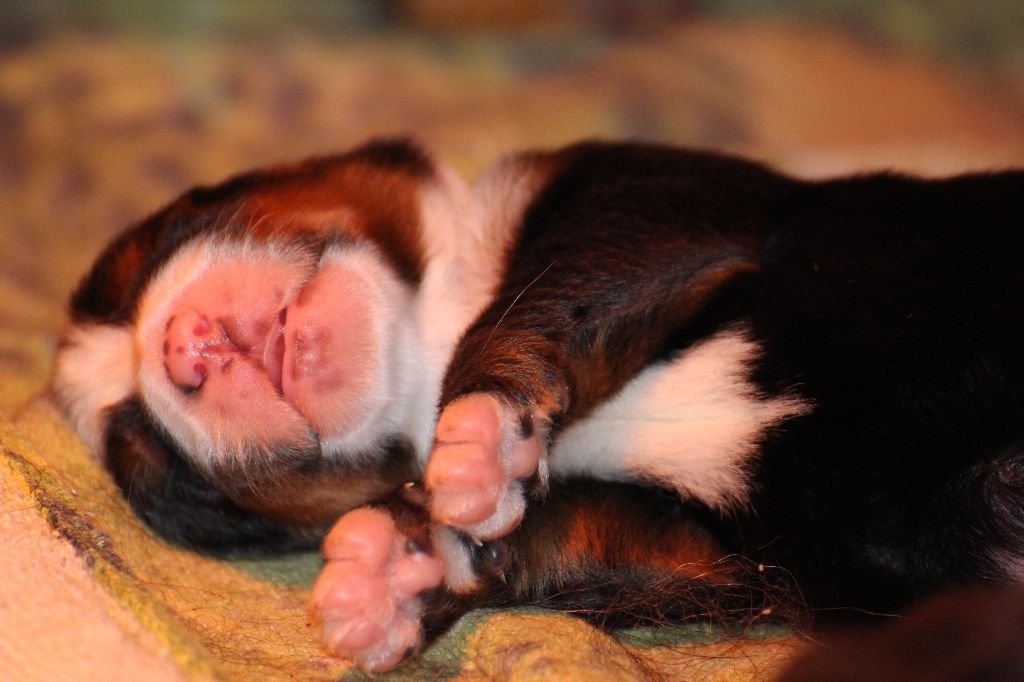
(191, 345)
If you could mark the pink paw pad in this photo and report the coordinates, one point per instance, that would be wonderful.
(481, 451)
(366, 594)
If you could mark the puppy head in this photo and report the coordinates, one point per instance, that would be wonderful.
(250, 341)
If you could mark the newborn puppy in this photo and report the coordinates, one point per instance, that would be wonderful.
(826, 374)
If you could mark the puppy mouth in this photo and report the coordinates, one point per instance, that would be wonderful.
(274, 350)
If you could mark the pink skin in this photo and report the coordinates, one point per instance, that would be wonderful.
(272, 351)
(213, 342)
(332, 351)
(366, 594)
(474, 470)
(271, 348)
(195, 344)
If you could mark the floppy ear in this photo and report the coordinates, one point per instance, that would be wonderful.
(109, 291)
(178, 502)
(378, 180)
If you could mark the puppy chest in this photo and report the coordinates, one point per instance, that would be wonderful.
(691, 424)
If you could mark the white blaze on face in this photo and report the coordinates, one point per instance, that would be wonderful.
(237, 408)
(333, 314)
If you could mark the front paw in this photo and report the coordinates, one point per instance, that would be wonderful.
(368, 595)
(483, 451)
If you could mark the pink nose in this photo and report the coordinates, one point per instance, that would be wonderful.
(193, 343)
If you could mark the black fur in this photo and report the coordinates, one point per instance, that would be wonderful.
(893, 306)
(626, 556)
(180, 503)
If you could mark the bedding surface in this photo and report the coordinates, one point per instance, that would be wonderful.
(97, 129)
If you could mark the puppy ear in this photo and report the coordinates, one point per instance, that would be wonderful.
(109, 292)
(178, 502)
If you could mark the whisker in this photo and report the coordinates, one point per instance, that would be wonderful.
(516, 300)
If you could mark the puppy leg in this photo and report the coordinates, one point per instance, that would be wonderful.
(614, 554)
(392, 580)
(612, 263)
(483, 452)
(367, 594)
(543, 356)
(386, 584)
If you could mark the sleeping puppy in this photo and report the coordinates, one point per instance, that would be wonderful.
(556, 385)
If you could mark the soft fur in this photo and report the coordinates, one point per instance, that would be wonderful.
(826, 375)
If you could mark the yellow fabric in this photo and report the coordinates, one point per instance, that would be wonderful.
(217, 621)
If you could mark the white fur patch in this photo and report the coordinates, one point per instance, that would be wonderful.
(692, 424)
(466, 234)
(458, 568)
(396, 379)
(94, 370)
(445, 304)
(156, 307)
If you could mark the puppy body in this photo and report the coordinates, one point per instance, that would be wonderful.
(825, 373)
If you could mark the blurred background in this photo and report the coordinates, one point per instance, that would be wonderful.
(110, 108)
